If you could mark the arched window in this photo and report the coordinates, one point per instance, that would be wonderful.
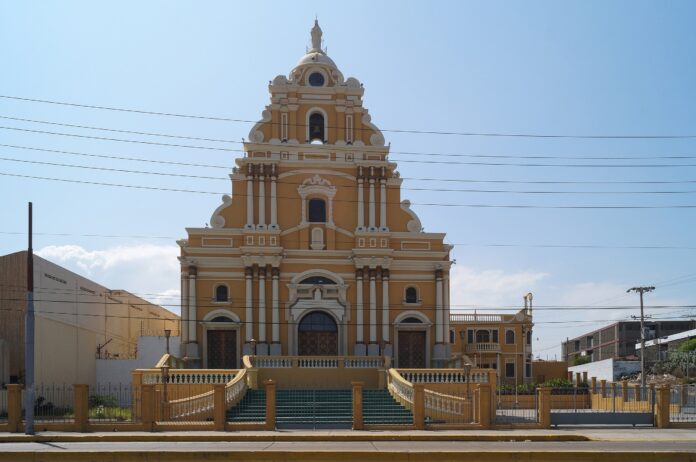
(316, 128)
(317, 280)
(221, 319)
(510, 337)
(317, 211)
(221, 293)
(411, 295)
(412, 320)
(483, 336)
(317, 321)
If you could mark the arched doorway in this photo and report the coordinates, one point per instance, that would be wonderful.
(317, 335)
(221, 344)
(412, 341)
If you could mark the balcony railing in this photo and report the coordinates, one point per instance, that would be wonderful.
(461, 317)
(483, 348)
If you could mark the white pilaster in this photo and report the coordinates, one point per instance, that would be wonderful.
(361, 204)
(383, 204)
(249, 318)
(438, 306)
(371, 206)
(262, 201)
(373, 307)
(446, 310)
(274, 203)
(192, 321)
(359, 321)
(275, 316)
(385, 306)
(262, 305)
(250, 198)
(184, 310)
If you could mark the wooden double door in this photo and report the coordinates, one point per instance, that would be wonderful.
(412, 349)
(222, 349)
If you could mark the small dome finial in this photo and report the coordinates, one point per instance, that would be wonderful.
(316, 36)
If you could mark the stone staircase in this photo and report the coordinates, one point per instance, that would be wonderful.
(320, 408)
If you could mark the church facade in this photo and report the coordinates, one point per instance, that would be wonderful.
(315, 252)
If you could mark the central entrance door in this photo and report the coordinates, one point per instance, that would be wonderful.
(412, 349)
(317, 335)
(222, 349)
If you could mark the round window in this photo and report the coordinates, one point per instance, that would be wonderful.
(316, 79)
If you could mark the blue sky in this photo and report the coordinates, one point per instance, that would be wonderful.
(595, 68)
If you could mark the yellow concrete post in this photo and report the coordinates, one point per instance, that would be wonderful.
(593, 384)
(613, 396)
(624, 391)
(252, 378)
(219, 406)
(358, 405)
(662, 407)
(636, 392)
(147, 404)
(570, 376)
(603, 387)
(81, 398)
(270, 404)
(584, 377)
(651, 393)
(14, 406)
(419, 406)
(486, 408)
(387, 362)
(578, 379)
(544, 406)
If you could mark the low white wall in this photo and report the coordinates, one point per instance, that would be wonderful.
(608, 369)
(150, 350)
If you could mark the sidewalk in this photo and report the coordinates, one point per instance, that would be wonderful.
(607, 434)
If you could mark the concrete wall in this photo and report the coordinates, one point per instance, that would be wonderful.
(150, 350)
(608, 369)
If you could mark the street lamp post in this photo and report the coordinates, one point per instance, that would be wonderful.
(641, 291)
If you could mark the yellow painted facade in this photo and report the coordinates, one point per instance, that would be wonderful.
(315, 251)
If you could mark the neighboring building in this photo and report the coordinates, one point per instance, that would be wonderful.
(618, 340)
(315, 252)
(496, 341)
(658, 349)
(607, 369)
(545, 370)
(76, 321)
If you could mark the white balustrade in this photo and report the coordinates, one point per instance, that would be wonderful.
(434, 376)
(189, 377)
(462, 317)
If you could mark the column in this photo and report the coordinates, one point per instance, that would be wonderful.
(386, 324)
(275, 316)
(249, 317)
(361, 201)
(383, 204)
(360, 349)
(184, 314)
(371, 205)
(274, 204)
(250, 197)
(373, 347)
(262, 199)
(192, 353)
(438, 307)
(446, 310)
(262, 346)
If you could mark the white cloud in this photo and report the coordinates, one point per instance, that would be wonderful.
(490, 288)
(151, 271)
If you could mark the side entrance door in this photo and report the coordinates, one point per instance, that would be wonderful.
(222, 349)
(412, 349)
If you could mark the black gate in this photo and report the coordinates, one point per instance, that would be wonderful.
(612, 405)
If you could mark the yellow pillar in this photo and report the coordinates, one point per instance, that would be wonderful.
(624, 391)
(578, 379)
(603, 388)
(358, 423)
(593, 384)
(636, 392)
(486, 407)
(584, 377)
(147, 406)
(662, 407)
(14, 407)
(270, 404)
(219, 407)
(651, 393)
(81, 397)
(544, 406)
(419, 406)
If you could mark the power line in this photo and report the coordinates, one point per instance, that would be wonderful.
(445, 180)
(199, 177)
(428, 204)
(409, 131)
(347, 241)
(490, 164)
(345, 148)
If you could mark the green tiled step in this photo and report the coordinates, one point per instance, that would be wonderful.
(379, 407)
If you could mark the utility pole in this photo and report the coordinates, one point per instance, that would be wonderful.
(641, 291)
(29, 338)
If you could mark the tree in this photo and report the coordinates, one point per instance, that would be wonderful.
(578, 360)
(689, 345)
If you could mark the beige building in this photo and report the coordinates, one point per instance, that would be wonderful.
(76, 322)
(315, 252)
(496, 341)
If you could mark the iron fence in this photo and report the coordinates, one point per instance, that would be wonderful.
(114, 402)
(53, 403)
(682, 407)
(516, 408)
